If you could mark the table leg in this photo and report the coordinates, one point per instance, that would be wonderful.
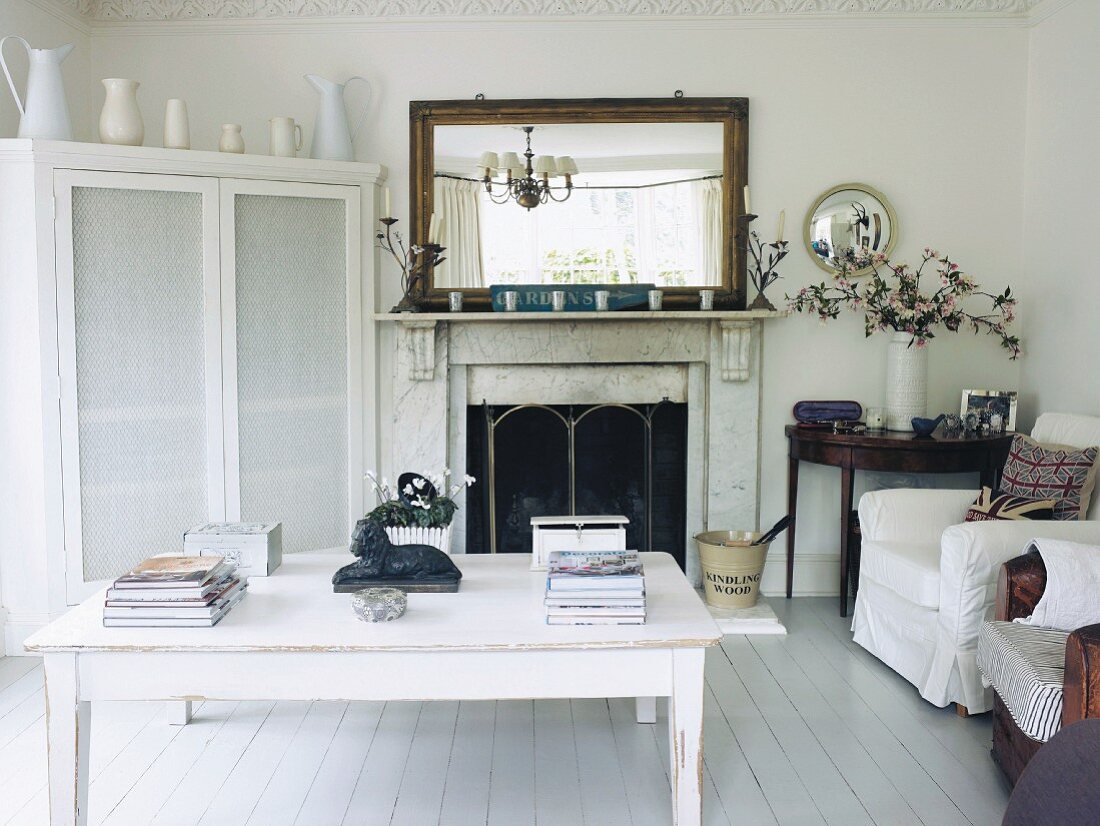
(792, 507)
(179, 712)
(645, 709)
(68, 733)
(685, 728)
(846, 474)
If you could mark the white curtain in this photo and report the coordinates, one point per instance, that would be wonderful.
(457, 205)
(708, 196)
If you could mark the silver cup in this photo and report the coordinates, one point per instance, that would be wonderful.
(557, 300)
(706, 299)
(454, 301)
(602, 298)
(511, 301)
(655, 299)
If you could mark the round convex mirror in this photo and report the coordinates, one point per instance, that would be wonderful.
(848, 217)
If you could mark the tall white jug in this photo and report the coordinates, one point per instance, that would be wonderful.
(43, 110)
(332, 138)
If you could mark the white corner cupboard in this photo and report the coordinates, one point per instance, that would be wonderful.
(184, 336)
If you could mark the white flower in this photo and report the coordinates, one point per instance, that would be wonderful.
(407, 490)
(419, 483)
(469, 480)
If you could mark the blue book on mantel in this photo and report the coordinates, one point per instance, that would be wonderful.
(578, 297)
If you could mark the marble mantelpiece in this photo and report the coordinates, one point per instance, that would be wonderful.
(710, 360)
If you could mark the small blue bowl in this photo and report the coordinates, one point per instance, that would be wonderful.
(926, 427)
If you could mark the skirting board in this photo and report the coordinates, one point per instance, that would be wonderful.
(16, 628)
(815, 575)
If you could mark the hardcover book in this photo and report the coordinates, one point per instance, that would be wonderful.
(173, 572)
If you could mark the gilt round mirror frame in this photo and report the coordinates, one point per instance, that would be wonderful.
(860, 213)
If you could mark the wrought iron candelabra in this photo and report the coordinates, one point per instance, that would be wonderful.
(762, 274)
(416, 262)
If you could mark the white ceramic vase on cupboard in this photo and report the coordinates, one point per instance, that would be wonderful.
(906, 382)
(177, 133)
(231, 139)
(120, 121)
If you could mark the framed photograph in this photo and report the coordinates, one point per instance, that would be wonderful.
(990, 402)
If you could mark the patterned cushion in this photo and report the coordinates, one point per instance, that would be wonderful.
(1025, 665)
(994, 505)
(1064, 474)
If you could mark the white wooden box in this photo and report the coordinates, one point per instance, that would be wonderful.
(256, 547)
(575, 533)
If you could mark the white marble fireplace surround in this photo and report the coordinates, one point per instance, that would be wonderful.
(710, 360)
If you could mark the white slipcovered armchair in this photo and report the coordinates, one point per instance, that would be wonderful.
(927, 579)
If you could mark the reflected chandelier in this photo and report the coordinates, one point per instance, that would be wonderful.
(526, 184)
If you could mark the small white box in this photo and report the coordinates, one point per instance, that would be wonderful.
(256, 547)
(575, 533)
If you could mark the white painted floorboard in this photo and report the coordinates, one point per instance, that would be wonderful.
(803, 729)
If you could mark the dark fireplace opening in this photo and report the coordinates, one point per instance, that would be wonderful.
(541, 460)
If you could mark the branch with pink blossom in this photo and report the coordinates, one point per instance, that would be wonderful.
(901, 306)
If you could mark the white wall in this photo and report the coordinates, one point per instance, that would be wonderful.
(44, 28)
(1062, 185)
(892, 105)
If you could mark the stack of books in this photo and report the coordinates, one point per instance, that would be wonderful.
(179, 591)
(595, 588)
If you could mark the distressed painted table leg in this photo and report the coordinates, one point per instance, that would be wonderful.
(179, 712)
(68, 733)
(685, 728)
(645, 709)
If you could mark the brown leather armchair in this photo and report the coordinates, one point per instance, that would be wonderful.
(1020, 584)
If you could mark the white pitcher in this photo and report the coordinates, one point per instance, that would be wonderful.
(43, 111)
(332, 138)
(120, 120)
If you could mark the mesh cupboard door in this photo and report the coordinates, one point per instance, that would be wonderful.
(291, 340)
(139, 367)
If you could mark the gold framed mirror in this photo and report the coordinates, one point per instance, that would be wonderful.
(582, 192)
(847, 217)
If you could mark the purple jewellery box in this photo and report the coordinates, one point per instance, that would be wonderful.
(821, 412)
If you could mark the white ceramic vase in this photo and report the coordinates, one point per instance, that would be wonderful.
(906, 382)
(120, 121)
(436, 537)
(177, 134)
(231, 140)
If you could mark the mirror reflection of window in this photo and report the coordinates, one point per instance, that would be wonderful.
(646, 207)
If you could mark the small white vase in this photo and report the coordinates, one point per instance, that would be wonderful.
(231, 140)
(177, 134)
(435, 537)
(120, 121)
(906, 382)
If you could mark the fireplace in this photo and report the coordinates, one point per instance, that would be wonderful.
(540, 460)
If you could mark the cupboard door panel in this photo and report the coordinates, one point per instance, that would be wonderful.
(134, 327)
(291, 319)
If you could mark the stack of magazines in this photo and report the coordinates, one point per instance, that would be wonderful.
(595, 588)
(181, 591)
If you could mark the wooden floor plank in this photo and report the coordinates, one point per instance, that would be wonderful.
(245, 784)
(789, 800)
(557, 778)
(466, 789)
(14, 668)
(328, 797)
(287, 789)
(603, 790)
(379, 782)
(639, 748)
(420, 797)
(512, 779)
(196, 790)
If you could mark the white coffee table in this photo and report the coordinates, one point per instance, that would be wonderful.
(293, 639)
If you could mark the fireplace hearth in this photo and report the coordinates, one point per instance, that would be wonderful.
(540, 460)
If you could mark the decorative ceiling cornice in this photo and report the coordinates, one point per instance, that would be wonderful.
(108, 11)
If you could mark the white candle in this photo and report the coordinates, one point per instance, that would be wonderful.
(387, 213)
(431, 230)
(748, 208)
(782, 220)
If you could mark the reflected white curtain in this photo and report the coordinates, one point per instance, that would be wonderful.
(708, 196)
(457, 205)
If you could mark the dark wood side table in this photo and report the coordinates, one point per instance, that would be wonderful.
(884, 451)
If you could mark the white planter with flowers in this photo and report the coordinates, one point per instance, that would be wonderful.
(418, 510)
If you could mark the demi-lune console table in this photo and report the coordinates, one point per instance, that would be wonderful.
(890, 451)
(293, 639)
